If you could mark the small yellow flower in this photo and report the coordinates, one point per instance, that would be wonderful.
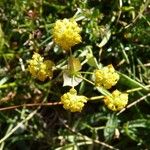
(73, 102)
(66, 33)
(106, 77)
(117, 101)
(40, 69)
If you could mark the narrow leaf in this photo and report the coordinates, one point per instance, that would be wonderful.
(105, 39)
(111, 125)
(130, 82)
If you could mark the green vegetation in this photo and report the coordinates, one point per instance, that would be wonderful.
(31, 113)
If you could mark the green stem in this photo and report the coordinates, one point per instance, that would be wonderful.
(137, 89)
(7, 85)
(29, 105)
(130, 82)
(45, 41)
(95, 98)
(86, 72)
(100, 89)
(86, 79)
(128, 91)
(103, 91)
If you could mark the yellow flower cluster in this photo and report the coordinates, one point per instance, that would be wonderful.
(40, 69)
(106, 77)
(66, 33)
(117, 101)
(73, 102)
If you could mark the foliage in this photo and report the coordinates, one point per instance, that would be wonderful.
(113, 32)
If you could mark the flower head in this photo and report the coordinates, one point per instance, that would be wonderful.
(66, 33)
(106, 77)
(40, 69)
(117, 101)
(73, 102)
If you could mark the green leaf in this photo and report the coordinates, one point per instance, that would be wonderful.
(111, 125)
(74, 65)
(139, 123)
(130, 82)
(3, 80)
(127, 8)
(105, 39)
(103, 91)
(131, 128)
(91, 60)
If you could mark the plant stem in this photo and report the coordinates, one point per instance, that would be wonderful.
(30, 105)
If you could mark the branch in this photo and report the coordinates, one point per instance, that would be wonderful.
(30, 105)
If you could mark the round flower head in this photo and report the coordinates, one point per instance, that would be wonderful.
(73, 102)
(40, 69)
(106, 77)
(66, 33)
(117, 101)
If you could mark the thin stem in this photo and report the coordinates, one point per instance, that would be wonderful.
(134, 103)
(84, 62)
(30, 105)
(128, 91)
(86, 137)
(70, 52)
(86, 79)
(46, 40)
(86, 72)
(137, 89)
(95, 98)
